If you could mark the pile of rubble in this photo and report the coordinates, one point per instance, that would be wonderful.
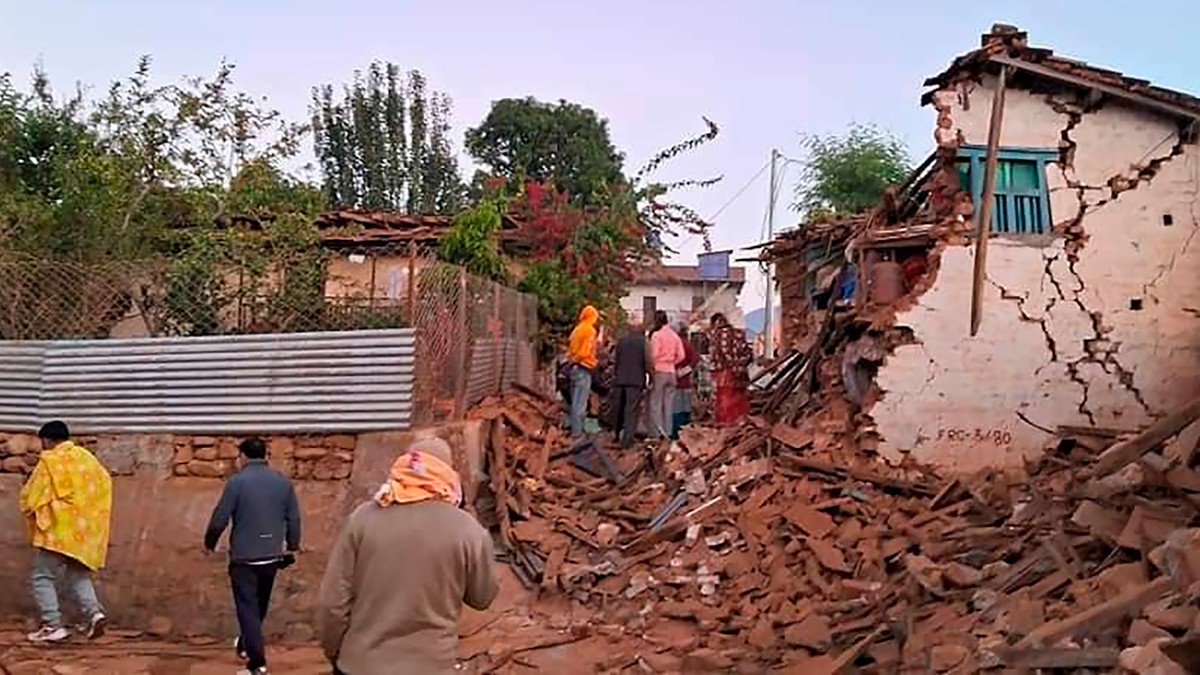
(772, 546)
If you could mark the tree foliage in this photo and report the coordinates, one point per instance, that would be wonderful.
(525, 140)
(383, 144)
(848, 173)
(150, 169)
(473, 241)
(111, 179)
(660, 216)
(588, 250)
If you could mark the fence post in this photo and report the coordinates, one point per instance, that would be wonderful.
(464, 342)
(371, 299)
(412, 283)
(500, 340)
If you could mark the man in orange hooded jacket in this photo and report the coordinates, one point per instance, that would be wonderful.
(581, 352)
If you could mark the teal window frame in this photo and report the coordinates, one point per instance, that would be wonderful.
(1025, 211)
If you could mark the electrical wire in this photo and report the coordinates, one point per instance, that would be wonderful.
(711, 219)
(740, 192)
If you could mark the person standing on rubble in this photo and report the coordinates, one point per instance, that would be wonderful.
(265, 538)
(731, 357)
(67, 505)
(401, 570)
(666, 353)
(582, 354)
(683, 383)
(633, 368)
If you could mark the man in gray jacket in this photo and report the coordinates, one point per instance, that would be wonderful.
(402, 569)
(265, 538)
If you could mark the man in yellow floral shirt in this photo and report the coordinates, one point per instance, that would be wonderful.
(67, 502)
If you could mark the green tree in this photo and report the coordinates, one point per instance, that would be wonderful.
(524, 140)
(383, 144)
(110, 181)
(473, 241)
(848, 173)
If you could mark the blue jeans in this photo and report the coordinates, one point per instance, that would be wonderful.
(581, 390)
(51, 569)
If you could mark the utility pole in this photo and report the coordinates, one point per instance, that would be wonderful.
(769, 320)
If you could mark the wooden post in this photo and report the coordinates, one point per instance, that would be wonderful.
(497, 334)
(984, 227)
(464, 346)
(411, 283)
(372, 297)
(1125, 452)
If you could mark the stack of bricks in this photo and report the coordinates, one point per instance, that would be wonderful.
(300, 457)
(19, 452)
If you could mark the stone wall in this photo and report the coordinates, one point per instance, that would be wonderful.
(164, 490)
(1097, 324)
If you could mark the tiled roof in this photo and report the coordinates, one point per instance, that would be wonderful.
(366, 228)
(1009, 45)
(686, 274)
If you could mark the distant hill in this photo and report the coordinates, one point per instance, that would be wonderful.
(756, 320)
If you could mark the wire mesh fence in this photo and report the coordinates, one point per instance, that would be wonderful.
(474, 336)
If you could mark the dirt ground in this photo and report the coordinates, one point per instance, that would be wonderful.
(508, 638)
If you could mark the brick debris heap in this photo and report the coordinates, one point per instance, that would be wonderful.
(774, 546)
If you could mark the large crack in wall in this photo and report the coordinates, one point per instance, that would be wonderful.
(1098, 348)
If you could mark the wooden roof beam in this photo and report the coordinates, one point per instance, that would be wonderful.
(1119, 92)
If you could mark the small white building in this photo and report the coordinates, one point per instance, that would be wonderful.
(685, 294)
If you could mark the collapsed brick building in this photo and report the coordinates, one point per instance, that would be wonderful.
(1091, 308)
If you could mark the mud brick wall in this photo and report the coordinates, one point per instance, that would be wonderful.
(299, 458)
(164, 489)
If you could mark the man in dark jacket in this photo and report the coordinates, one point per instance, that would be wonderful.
(629, 382)
(265, 538)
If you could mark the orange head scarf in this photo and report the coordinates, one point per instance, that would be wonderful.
(422, 473)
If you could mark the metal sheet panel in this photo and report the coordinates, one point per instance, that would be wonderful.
(496, 364)
(280, 383)
(487, 360)
(20, 383)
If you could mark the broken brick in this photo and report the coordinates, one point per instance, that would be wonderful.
(830, 557)
(813, 522)
(812, 633)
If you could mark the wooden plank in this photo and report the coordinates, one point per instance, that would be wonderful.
(1183, 448)
(848, 657)
(1119, 92)
(857, 474)
(1091, 657)
(1096, 432)
(498, 467)
(1125, 452)
(1124, 604)
(983, 230)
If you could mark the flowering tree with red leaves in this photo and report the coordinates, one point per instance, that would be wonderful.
(588, 251)
(580, 255)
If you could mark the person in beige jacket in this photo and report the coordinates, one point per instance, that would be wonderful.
(401, 570)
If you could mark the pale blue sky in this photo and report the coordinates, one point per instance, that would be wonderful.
(765, 71)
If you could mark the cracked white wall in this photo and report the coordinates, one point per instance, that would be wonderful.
(1062, 340)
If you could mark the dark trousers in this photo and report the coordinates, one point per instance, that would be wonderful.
(624, 404)
(252, 586)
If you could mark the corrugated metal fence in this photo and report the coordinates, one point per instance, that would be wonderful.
(278, 383)
(497, 363)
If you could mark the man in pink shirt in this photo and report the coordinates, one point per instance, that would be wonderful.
(666, 353)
